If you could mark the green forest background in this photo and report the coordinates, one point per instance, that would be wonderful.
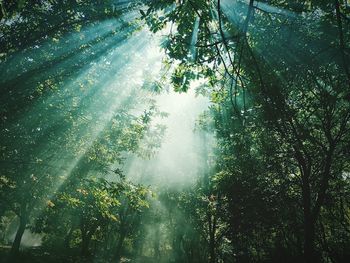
(265, 177)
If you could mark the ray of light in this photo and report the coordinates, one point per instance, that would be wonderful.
(194, 38)
(294, 43)
(179, 161)
(53, 48)
(113, 94)
(236, 11)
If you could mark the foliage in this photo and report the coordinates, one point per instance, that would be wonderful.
(277, 76)
(280, 76)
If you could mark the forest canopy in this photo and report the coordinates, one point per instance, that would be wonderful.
(175, 131)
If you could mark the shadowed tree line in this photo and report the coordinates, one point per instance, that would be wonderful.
(63, 134)
(278, 78)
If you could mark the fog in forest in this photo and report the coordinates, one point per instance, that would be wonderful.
(185, 131)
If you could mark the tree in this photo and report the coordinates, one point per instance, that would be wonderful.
(299, 100)
(99, 210)
(49, 131)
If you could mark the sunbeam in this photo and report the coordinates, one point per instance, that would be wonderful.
(174, 131)
(112, 90)
(194, 38)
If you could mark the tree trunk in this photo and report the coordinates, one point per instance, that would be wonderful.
(156, 244)
(309, 226)
(17, 242)
(309, 240)
(86, 234)
(118, 253)
(212, 250)
(309, 219)
(68, 238)
(84, 245)
(312, 213)
(86, 238)
(212, 229)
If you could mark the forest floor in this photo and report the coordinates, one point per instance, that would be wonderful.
(40, 255)
(35, 255)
